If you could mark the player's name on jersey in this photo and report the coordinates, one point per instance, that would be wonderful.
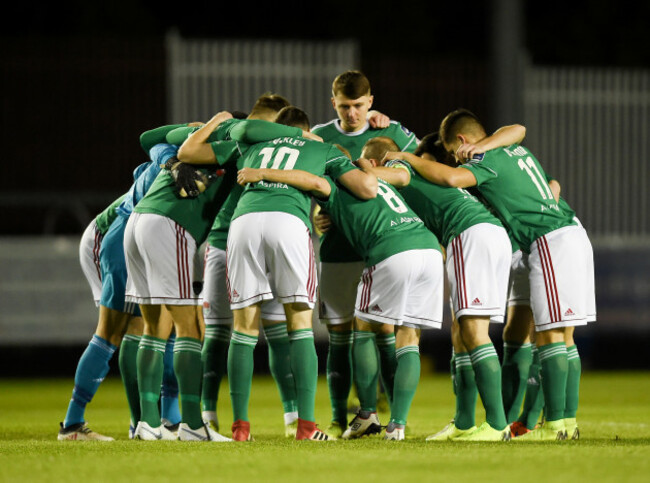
(406, 219)
(292, 141)
(518, 151)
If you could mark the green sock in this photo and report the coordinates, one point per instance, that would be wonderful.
(553, 358)
(339, 374)
(214, 357)
(127, 361)
(407, 377)
(466, 392)
(240, 372)
(150, 374)
(189, 372)
(514, 374)
(573, 382)
(365, 369)
(387, 361)
(280, 364)
(304, 365)
(487, 368)
(534, 398)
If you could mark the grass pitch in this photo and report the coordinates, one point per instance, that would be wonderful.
(613, 418)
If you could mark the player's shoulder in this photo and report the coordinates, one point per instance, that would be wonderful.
(394, 127)
(324, 126)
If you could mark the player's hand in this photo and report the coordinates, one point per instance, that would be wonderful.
(312, 136)
(322, 222)
(364, 164)
(220, 117)
(377, 120)
(189, 181)
(467, 151)
(249, 175)
(390, 155)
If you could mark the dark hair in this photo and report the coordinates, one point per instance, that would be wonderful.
(293, 116)
(352, 84)
(432, 145)
(239, 114)
(460, 120)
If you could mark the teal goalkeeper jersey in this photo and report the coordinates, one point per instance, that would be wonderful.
(289, 153)
(107, 217)
(514, 184)
(380, 227)
(334, 246)
(447, 212)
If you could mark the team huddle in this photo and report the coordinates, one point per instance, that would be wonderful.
(401, 221)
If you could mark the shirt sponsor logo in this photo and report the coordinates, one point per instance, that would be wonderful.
(273, 185)
(376, 308)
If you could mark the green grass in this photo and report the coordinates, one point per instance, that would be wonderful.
(613, 418)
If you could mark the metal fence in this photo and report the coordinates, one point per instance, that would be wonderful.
(206, 76)
(590, 129)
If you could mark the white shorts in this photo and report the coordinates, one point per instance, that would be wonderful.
(160, 261)
(268, 248)
(519, 284)
(590, 280)
(91, 242)
(560, 275)
(478, 266)
(337, 289)
(405, 289)
(216, 305)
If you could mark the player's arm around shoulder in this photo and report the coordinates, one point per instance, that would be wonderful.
(397, 175)
(297, 178)
(435, 172)
(196, 149)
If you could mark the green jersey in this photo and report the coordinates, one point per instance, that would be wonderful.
(379, 227)
(289, 153)
(514, 184)
(107, 217)
(445, 211)
(334, 246)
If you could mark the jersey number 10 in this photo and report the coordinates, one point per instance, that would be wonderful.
(290, 154)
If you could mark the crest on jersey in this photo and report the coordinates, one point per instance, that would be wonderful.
(406, 131)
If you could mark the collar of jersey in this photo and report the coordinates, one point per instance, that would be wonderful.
(337, 124)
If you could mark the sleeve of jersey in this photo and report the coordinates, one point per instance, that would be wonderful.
(405, 139)
(337, 163)
(149, 139)
(398, 163)
(253, 131)
(161, 152)
(481, 170)
(226, 151)
(179, 135)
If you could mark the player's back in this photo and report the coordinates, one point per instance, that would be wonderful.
(445, 211)
(514, 183)
(286, 153)
(381, 226)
